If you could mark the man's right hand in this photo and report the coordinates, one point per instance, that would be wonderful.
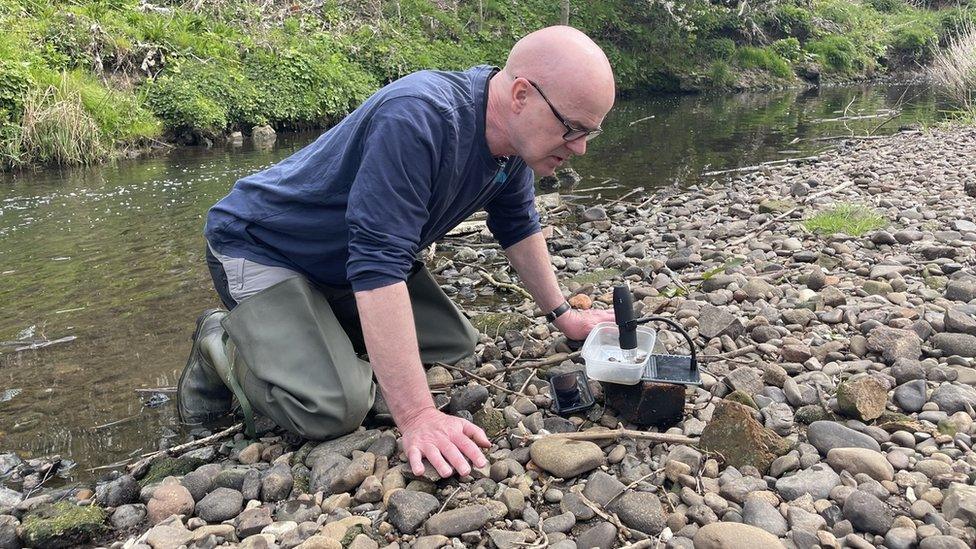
(448, 442)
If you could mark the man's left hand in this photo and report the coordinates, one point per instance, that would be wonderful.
(577, 323)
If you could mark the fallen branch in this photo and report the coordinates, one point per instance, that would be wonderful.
(615, 434)
(505, 285)
(148, 458)
(30, 345)
(554, 359)
(612, 202)
(758, 167)
(157, 390)
(479, 378)
(641, 120)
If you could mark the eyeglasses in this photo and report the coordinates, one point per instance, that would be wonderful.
(572, 132)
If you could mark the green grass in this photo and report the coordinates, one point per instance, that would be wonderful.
(851, 219)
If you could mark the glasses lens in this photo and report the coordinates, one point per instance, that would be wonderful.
(573, 135)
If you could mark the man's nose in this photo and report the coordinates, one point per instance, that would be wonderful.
(577, 146)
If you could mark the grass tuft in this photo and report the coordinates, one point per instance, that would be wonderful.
(851, 219)
(954, 70)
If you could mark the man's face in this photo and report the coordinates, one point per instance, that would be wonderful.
(554, 127)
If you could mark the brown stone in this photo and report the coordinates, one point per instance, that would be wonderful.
(863, 398)
(740, 439)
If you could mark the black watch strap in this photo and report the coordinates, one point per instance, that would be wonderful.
(558, 311)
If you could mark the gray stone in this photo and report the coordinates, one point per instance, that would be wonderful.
(953, 397)
(8, 532)
(906, 370)
(745, 379)
(344, 446)
(901, 538)
(572, 503)
(120, 491)
(469, 398)
(639, 510)
(458, 521)
(127, 516)
(198, 482)
(942, 542)
(408, 509)
(353, 474)
(325, 469)
(960, 502)
(910, 397)
(252, 521)
(559, 523)
(297, 511)
(962, 289)
(738, 489)
(955, 344)
(760, 513)
(826, 435)
(168, 536)
(277, 483)
(601, 536)
(714, 321)
(894, 343)
(867, 513)
(601, 488)
(959, 321)
(817, 481)
(220, 504)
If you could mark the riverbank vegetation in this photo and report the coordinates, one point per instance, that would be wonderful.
(81, 79)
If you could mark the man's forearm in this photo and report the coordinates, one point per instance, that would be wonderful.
(391, 340)
(530, 257)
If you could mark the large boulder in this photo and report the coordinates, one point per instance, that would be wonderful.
(863, 398)
(894, 343)
(740, 439)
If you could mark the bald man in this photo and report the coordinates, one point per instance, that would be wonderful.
(315, 257)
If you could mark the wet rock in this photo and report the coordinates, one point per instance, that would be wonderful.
(826, 435)
(728, 535)
(867, 513)
(953, 397)
(737, 436)
(458, 521)
(861, 460)
(817, 481)
(863, 398)
(565, 458)
(220, 504)
(408, 509)
(954, 344)
(120, 491)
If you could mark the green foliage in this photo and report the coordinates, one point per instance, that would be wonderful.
(15, 80)
(718, 48)
(792, 20)
(788, 48)
(850, 219)
(763, 58)
(721, 74)
(916, 40)
(62, 524)
(887, 6)
(836, 53)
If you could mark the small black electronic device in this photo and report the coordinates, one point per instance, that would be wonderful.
(570, 393)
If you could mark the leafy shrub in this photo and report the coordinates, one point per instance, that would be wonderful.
(792, 20)
(720, 74)
(836, 53)
(887, 6)
(915, 40)
(788, 48)
(718, 48)
(765, 59)
(15, 80)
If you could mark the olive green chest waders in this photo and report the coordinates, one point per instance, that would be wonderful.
(294, 363)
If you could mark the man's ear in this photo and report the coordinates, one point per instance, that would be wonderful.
(520, 95)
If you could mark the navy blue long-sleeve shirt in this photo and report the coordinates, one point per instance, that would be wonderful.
(355, 207)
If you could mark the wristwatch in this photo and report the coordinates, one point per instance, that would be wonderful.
(558, 311)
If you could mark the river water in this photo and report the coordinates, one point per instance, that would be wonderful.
(113, 255)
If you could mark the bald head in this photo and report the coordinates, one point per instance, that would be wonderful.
(556, 88)
(566, 61)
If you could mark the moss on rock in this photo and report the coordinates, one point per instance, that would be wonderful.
(170, 467)
(62, 525)
(741, 440)
(743, 398)
(596, 276)
(491, 420)
(493, 324)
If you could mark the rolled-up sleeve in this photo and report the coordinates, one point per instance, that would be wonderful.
(512, 216)
(388, 201)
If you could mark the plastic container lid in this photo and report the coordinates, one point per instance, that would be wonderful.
(605, 360)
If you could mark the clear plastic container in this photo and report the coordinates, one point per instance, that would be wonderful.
(605, 360)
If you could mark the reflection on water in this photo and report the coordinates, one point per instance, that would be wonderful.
(113, 254)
